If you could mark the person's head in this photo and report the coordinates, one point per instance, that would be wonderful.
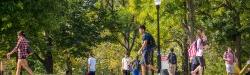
(199, 33)
(142, 29)
(229, 49)
(126, 55)
(172, 50)
(20, 34)
(91, 55)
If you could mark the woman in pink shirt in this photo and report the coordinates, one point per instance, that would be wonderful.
(200, 46)
(229, 59)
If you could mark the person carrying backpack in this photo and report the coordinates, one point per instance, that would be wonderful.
(200, 47)
(172, 59)
(146, 50)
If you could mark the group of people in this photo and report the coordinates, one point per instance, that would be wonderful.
(138, 67)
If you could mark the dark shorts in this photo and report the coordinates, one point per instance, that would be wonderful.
(201, 61)
(126, 72)
(193, 66)
(164, 72)
(147, 57)
(92, 73)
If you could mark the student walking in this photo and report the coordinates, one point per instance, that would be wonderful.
(91, 65)
(146, 50)
(229, 60)
(172, 59)
(200, 45)
(23, 51)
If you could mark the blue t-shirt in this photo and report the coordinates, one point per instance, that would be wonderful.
(148, 38)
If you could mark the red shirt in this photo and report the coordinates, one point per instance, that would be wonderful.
(22, 48)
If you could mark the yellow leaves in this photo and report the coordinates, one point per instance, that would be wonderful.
(219, 12)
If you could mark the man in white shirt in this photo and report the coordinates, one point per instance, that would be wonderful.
(91, 65)
(126, 63)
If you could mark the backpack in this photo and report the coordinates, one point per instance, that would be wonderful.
(172, 58)
(151, 41)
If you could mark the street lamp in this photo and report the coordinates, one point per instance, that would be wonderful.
(157, 3)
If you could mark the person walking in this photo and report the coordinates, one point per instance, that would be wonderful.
(164, 64)
(229, 61)
(146, 50)
(200, 47)
(172, 59)
(23, 51)
(126, 65)
(91, 65)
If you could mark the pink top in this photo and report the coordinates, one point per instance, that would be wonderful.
(229, 57)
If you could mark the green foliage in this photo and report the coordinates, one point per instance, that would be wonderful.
(106, 28)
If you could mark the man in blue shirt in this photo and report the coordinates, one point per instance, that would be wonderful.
(146, 50)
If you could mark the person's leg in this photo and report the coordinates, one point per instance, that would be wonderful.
(128, 72)
(195, 70)
(26, 66)
(201, 70)
(174, 69)
(170, 69)
(149, 55)
(143, 69)
(123, 72)
(152, 68)
(92, 72)
(18, 67)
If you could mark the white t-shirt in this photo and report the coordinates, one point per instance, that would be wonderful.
(248, 62)
(126, 62)
(92, 63)
(164, 62)
(199, 47)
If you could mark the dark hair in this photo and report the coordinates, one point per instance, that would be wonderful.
(21, 33)
(172, 49)
(142, 27)
(91, 54)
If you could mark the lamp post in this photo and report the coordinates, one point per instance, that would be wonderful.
(157, 3)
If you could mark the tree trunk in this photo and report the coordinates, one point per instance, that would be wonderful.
(189, 27)
(69, 66)
(48, 62)
(237, 37)
(185, 63)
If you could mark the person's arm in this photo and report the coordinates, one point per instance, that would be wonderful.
(15, 49)
(143, 46)
(122, 65)
(88, 65)
(167, 56)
